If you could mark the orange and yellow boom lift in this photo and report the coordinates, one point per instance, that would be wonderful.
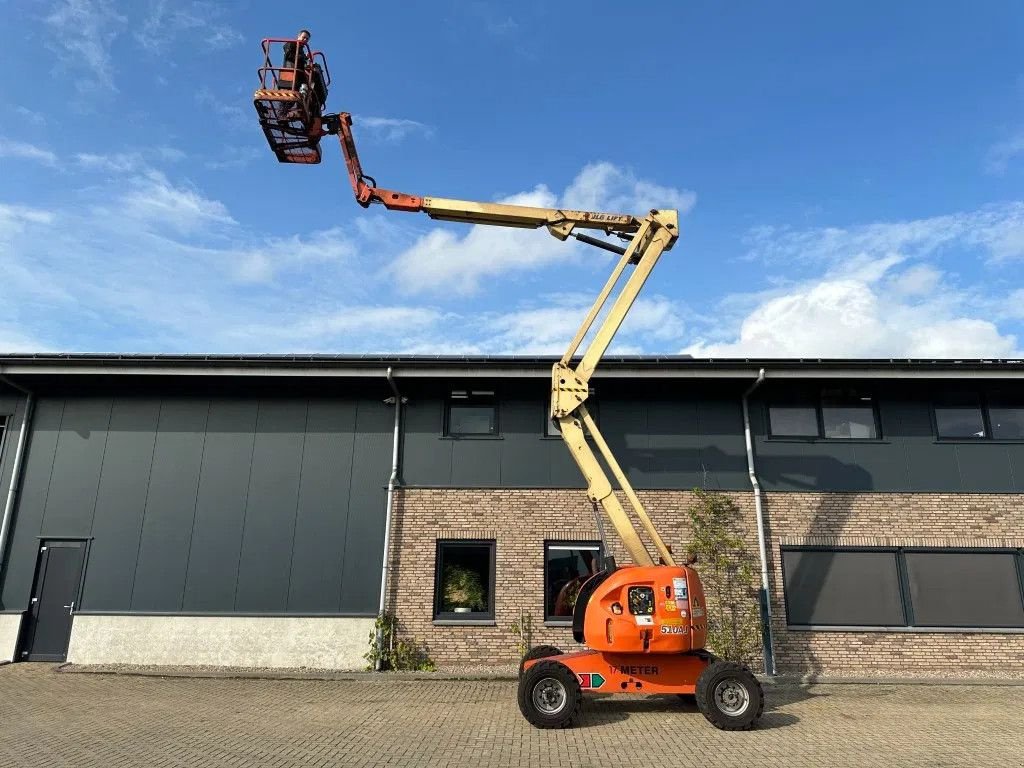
(643, 625)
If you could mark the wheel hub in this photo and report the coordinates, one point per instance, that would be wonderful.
(549, 696)
(732, 697)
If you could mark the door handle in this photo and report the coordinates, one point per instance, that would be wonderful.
(71, 607)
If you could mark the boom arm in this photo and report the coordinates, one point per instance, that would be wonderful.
(651, 236)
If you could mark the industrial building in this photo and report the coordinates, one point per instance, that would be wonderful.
(262, 510)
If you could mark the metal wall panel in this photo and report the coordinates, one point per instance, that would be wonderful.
(120, 504)
(270, 512)
(28, 519)
(170, 505)
(215, 542)
(321, 525)
(364, 544)
(76, 468)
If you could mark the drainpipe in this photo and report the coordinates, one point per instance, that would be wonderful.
(12, 491)
(764, 594)
(397, 400)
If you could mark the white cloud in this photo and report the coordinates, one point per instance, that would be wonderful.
(167, 21)
(118, 162)
(443, 260)
(82, 35)
(31, 116)
(24, 151)
(1000, 154)
(229, 111)
(877, 296)
(390, 129)
(14, 218)
(152, 198)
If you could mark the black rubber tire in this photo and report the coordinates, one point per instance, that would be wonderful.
(721, 671)
(539, 652)
(539, 672)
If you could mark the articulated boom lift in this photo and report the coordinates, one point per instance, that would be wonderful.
(643, 624)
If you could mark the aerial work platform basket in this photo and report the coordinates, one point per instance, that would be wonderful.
(290, 99)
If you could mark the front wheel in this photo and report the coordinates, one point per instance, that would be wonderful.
(550, 695)
(729, 696)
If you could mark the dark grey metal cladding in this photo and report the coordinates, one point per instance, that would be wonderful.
(215, 543)
(908, 458)
(74, 481)
(120, 503)
(28, 520)
(321, 524)
(234, 503)
(667, 436)
(170, 505)
(364, 540)
(270, 513)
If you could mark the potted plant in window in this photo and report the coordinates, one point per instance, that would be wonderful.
(463, 590)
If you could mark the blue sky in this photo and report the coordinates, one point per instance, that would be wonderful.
(851, 180)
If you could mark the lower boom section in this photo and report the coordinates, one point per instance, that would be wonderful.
(552, 684)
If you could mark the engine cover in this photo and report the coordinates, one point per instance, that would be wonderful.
(643, 609)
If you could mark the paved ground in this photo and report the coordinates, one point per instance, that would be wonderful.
(58, 719)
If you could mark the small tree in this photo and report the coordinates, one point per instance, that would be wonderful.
(728, 571)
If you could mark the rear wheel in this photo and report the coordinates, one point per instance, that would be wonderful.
(729, 696)
(549, 695)
(539, 652)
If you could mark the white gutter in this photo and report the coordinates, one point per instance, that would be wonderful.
(765, 595)
(397, 401)
(19, 454)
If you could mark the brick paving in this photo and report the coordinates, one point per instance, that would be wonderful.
(58, 719)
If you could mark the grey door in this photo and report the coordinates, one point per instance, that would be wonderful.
(54, 595)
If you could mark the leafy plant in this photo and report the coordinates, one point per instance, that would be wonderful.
(463, 589)
(393, 652)
(522, 628)
(728, 571)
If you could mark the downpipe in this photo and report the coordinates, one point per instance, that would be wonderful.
(19, 454)
(764, 593)
(397, 400)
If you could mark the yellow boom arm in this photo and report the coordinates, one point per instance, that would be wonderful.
(651, 236)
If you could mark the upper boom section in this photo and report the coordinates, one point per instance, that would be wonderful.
(560, 222)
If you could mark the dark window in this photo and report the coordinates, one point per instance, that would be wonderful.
(959, 421)
(1007, 422)
(464, 580)
(965, 589)
(566, 566)
(842, 588)
(471, 413)
(847, 415)
(793, 421)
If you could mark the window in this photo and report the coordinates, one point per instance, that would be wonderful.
(838, 415)
(848, 588)
(464, 581)
(793, 421)
(1007, 422)
(960, 417)
(995, 415)
(965, 589)
(905, 587)
(471, 413)
(566, 566)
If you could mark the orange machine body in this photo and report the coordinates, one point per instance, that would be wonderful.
(655, 609)
(644, 628)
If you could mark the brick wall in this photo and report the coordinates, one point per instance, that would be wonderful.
(520, 521)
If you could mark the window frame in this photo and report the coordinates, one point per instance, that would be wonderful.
(465, 398)
(909, 624)
(985, 402)
(548, 431)
(594, 544)
(484, 617)
(818, 404)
